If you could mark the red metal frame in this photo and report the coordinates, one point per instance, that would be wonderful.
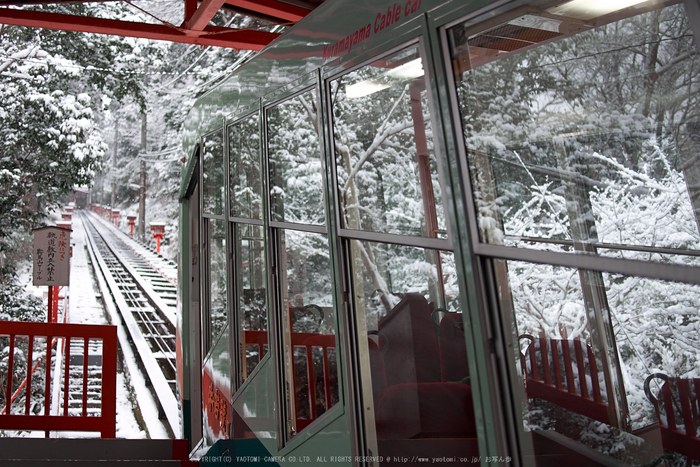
(201, 17)
(105, 423)
(271, 8)
(194, 30)
(210, 35)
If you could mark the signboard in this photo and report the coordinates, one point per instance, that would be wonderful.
(51, 256)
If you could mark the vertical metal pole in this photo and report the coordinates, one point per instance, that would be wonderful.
(142, 192)
(114, 164)
(54, 307)
(47, 386)
(584, 235)
(30, 370)
(427, 193)
(10, 374)
(49, 315)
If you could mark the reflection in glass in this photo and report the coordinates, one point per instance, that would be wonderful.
(294, 151)
(418, 397)
(213, 173)
(585, 142)
(252, 288)
(216, 393)
(570, 377)
(387, 172)
(217, 276)
(244, 169)
(309, 326)
(254, 407)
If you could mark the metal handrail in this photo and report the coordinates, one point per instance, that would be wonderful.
(105, 423)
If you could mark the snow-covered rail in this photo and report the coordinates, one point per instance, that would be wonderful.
(142, 286)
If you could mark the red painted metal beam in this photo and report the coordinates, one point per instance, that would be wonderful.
(190, 9)
(206, 11)
(272, 8)
(214, 36)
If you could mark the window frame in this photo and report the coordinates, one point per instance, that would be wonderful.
(286, 442)
(478, 258)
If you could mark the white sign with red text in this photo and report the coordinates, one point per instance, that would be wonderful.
(51, 256)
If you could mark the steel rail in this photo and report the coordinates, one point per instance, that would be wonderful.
(148, 318)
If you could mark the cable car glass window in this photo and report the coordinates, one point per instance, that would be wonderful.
(308, 323)
(217, 274)
(415, 379)
(383, 139)
(580, 123)
(245, 177)
(581, 127)
(252, 290)
(213, 173)
(296, 171)
(598, 353)
(254, 407)
(581, 137)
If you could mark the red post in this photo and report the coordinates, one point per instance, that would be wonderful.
(115, 217)
(132, 222)
(53, 304)
(49, 315)
(158, 233)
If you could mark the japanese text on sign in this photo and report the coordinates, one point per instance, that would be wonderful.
(51, 256)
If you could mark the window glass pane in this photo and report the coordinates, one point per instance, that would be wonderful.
(213, 173)
(582, 138)
(216, 393)
(383, 138)
(309, 326)
(244, 169)
(254, 407)
(296, 172)
(217, 277)
(252, 289)
(415, 376)
(588, 344)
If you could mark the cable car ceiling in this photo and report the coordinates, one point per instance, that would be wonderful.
(195, 29)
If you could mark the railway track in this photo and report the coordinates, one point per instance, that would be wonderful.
(143, 292)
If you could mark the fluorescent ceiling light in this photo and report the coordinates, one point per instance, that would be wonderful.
(589, 9)
(402, 73)
(410, 70)
(364, 88)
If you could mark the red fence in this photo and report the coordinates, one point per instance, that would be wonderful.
(678, 412)
(72, 411)
(560, 371)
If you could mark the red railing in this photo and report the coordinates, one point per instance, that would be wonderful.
(560, 370)
(678, 412)
(58, 338)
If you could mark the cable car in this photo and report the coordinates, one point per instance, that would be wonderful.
(448, 232)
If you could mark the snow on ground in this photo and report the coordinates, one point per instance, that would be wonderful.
(85, 307)
(137, 398)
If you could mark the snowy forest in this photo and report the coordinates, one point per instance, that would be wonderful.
(590, 144)
(93, 111)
